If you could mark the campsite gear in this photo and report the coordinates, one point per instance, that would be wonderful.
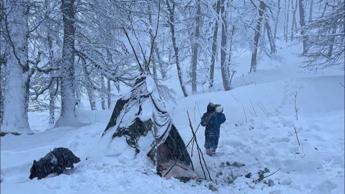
(212, 120)
(141, 120)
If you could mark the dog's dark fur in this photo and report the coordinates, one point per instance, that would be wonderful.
(55, 161)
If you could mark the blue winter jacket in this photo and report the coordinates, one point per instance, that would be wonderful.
(212, 121)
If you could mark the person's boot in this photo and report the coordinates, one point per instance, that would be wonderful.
(214, 151)
(209, 152)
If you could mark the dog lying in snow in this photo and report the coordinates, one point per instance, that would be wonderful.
(55, 161)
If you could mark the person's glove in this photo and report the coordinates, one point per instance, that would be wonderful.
(203, 123)
(219, 109)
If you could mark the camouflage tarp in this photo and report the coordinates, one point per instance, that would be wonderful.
(142, 114)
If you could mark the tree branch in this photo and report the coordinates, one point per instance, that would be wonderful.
(25, 68)
(135, 54)
(37, 93)
(37, 61)
(272, 173)
(153, 38)
(109, 75)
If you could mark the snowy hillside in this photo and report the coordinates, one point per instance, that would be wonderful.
(263, 112)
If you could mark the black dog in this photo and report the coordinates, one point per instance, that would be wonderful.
(55, 161)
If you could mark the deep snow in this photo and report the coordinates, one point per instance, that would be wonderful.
(259, 133)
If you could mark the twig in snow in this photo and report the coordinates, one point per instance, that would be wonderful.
(272, 173)
(244, 113)
(297, 136)
(234, 97)
(263, 109)
(296, 109)
(261, 174)
(253, 108)
(196, 105)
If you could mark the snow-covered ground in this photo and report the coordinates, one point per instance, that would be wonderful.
(259, 133)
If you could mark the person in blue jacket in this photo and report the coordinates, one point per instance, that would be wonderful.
(212, 120)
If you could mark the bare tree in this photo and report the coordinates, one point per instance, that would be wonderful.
(103, 92)
(195, 45)
(294, 22)
(277, 20)
(223, 52)
(68, 100)
(2, 80)
(214, 44)
(2, 62)
(286, 20)
(90, 88)
(171, 21)
(15, 33)
(326, 37)
(302, 24)
(253, 63)
(54, 86)
(311, 10)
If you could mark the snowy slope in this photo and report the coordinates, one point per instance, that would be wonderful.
(259, 133)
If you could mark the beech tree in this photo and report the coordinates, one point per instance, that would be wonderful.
(15, 33)
(214, 44)
(302, 24)
(68, 100)
(263, 19)
(171, 21)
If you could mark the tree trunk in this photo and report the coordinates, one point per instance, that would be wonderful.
(171, 22)
(90, 89)
(154, 64)
(270, 38)
(1, 89)
(92, 99)
(276, 22)
(156, 58)
(302, 23)
(18, 73)
(52, 89)
(311, 10)
(102, 93)
(286, 26)
(52, 93)
(160, 62)
(16, 103)
(253, 63)
(2, 62)
(231, 74)
(195, 47)
(110, 61)
(109, 93)
(331, 42)
(224, 37)
(117, 85)
(214, 45)
(294, 23)
(68, 101)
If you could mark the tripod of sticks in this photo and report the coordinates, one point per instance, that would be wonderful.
(200, 154)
